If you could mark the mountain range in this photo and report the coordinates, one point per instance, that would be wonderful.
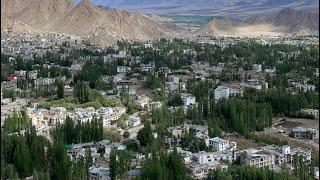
(97, 23)
(285, 22)
(239, 9)
(105, 25)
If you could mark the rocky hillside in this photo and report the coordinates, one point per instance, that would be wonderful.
(96, 23)
(218, 26)
(36, 13)
(286, 21)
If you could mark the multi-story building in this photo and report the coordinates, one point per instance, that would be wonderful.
(272, 156)
(84, 115)
(178, 131)
(188, 99)
(218, 144)
(109, 114)
(257, 67)
(99, 173)
(221, 92)
(142, 102)
(134, 121)
(285, 154)
(208, 157)
(44, 81)
(257, 158)
(314, 112)
(123, 69)
(33, 74)
(304, 133)
(201, 171)
(155, 105)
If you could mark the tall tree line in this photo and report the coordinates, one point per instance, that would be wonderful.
(72, 133)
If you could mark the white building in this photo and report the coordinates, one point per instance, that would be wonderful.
(148, 45)
(110, 114)
(76, 67)
(84, 115)
(221, 92)
(201, 171)
(32, 74)
(99, 173)
(273, 156)
(134, 121)
(234, 92)
(270, 70)
(188, 99)
(123, 69)
(172, 86)
(257, 67)
(305, 87)
(43, 81)
(257, 158)
(218, 144)
(314, 112)
(155, 105)
(21, 73)
(147, 67)
(142, 102)
(211, 157)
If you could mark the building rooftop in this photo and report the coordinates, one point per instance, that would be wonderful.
(99, 170)
(303, 129)
(218, 140)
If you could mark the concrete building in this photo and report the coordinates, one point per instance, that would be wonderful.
(155, 105)
(110, 114)
(304, 133)
(257, 158)
(99, 173)
(188, 99)
(273, 156)
(235, 92)
(123, 69)
(43, 81)
(134, 121)
(218, 144)
(142, 102)
(257, 67)
(314, 112)
(221, 92)
(201, 171)
(208, 157)
(76, 67)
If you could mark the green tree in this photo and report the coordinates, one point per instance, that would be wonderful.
(145, 136)
(82, 91)
(126, 134)
(9, 93)
(176, 166)
(21, 158)
(113, 164)
(60, 90)
(59, 164)
(175, 100)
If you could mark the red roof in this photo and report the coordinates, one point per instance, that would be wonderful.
(13, 77)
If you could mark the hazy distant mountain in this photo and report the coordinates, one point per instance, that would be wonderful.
(106, 25)
(229, 8)
(286, 21)
(101, 24)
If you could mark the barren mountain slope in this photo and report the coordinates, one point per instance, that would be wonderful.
(83, 19)
(286, 21)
